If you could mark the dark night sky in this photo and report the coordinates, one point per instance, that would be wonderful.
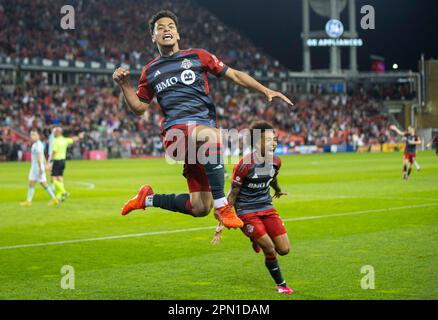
(404, 30)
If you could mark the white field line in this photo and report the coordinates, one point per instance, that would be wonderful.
(404, 198)
(88, 185)
(136, 235)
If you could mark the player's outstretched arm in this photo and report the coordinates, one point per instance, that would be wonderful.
(242, 79)
(80, 136)
(394, 128)
(121, 76)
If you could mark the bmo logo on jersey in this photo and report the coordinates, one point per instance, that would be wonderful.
(166, 84)
(258, 185)
(188, 77)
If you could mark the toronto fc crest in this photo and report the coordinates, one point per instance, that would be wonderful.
(186, 64)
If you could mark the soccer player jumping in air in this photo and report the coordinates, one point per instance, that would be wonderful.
(178, 79)
(255, 173)
(412, 140)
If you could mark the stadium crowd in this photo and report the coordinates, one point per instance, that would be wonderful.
(96, 107)
(101, 113)
(102, 34)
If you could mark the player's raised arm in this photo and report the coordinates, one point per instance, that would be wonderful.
(245, 80)
(394, 128)
(80, 136)
(121, 76)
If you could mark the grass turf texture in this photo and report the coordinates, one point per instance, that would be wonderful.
(325, 261)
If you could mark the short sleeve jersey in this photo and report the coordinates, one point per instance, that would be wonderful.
(254, 181)
(60, 145)
(180, 84)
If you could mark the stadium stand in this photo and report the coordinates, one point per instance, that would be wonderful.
(102, 34)
(96, 107)
(320, 119)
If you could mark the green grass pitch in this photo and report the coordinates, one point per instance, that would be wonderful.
(343, 212)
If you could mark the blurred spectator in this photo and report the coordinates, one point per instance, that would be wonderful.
(117, 31)
(100, 112)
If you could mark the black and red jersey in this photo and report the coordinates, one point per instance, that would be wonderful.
(410, 147)
(180, 84)
(254, 179)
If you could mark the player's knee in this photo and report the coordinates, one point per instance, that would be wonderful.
(283, 251)
(268, 248)
(199, 210)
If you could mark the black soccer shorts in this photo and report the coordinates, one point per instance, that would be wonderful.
(58, 168)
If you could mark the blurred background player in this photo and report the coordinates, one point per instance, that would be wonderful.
(37, 171)
(58, 158)
(178, 78)
(434, 144)
(412, 140)
(255, 173)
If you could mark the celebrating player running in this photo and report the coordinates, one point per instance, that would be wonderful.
(178, 79)
(412, 140)
(253, 176)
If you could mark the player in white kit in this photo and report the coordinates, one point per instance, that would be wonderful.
(37, 171)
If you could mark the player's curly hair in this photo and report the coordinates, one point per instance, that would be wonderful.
(162, 14)
(260, 125)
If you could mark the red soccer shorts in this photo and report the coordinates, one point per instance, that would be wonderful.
(194, 172)
(410, 157)
(257, 224)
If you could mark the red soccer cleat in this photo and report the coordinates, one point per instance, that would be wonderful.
(228, 217)
(137, 202)
(284, 289)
